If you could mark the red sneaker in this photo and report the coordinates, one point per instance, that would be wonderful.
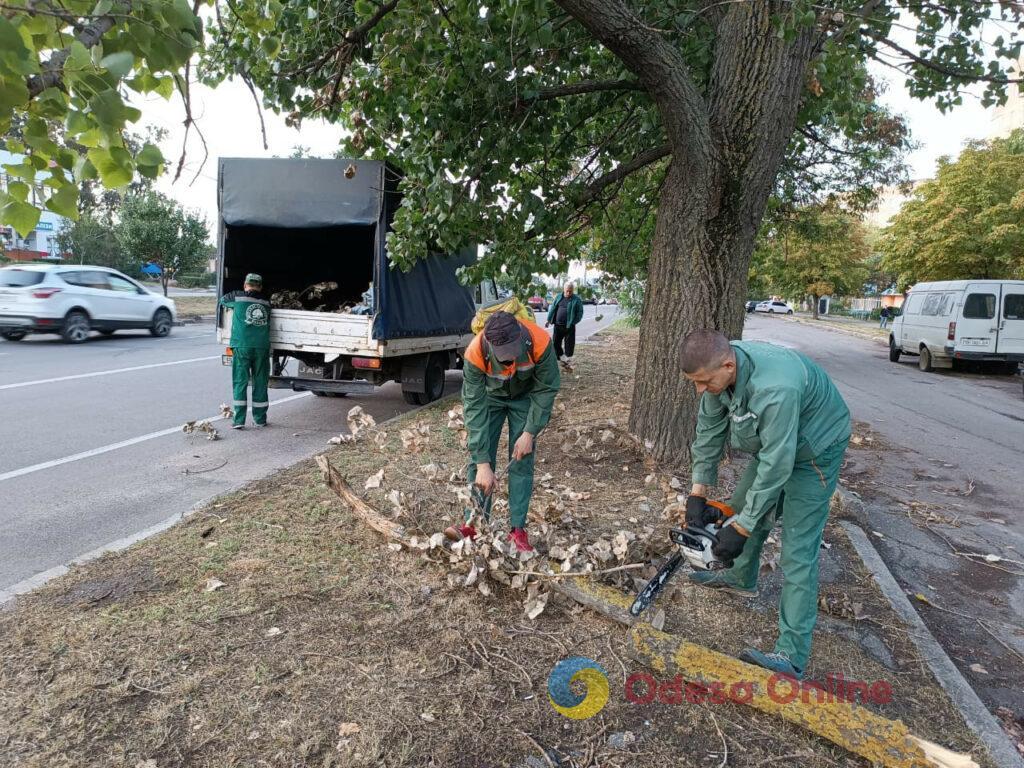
(521, 539)
(457, 533)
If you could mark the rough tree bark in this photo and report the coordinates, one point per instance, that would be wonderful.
(727, 146)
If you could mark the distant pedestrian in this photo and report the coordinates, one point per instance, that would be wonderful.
(565, 312)
(883, 317)
(250, 350)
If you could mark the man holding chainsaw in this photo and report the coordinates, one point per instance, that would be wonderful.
(778, 405)
(510, 374)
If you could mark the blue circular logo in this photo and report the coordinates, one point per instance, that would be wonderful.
(574, 705)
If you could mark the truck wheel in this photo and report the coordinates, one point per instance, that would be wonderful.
(924, 362)
(433, 380)
(894, 351)
(412, 398)
(76, 327)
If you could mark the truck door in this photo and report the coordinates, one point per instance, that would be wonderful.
(1011, 320)
(977, 326)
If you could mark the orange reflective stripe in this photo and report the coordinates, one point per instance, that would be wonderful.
(540, 340)
(475, 352)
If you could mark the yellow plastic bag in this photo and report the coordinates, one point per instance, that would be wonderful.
(511, 305)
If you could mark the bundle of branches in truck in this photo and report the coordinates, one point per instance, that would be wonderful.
(323, 297)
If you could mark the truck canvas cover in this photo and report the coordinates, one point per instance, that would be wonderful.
(277, 195)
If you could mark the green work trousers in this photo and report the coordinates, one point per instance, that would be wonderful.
(803, 508)
(251, 364)
(520, 474)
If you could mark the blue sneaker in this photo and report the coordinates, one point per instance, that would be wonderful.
(777, 662)
(720, 580)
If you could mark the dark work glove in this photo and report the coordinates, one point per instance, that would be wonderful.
(698, 513)
(729, 546)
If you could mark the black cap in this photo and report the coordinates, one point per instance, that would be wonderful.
(503, 333)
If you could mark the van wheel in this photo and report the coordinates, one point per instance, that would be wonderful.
(894, 351)
(924, 362)
(1008, 368)
(76, 327)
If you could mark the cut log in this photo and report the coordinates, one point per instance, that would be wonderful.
(853, 727)
(362, 510)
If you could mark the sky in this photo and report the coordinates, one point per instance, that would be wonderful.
(229, 122)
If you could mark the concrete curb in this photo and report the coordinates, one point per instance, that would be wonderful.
(975, 713)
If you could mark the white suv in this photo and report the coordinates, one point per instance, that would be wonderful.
(72, 300)
(773, 307)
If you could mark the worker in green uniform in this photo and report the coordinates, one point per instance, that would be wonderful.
(510, 374)
(778, 405)
(250, 345)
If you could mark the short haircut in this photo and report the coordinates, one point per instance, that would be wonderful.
(703, 350)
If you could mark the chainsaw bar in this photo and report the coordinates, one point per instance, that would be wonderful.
(647, 594)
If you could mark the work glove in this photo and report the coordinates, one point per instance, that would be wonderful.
(698, 513)
(729, 546)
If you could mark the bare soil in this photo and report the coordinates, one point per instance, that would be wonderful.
(273, 629)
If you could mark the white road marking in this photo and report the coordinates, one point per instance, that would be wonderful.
(115, 446)
(106, 373)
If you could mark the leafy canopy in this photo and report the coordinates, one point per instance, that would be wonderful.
(515, 127)
(818, 251)
(68, 74)
(967, 222)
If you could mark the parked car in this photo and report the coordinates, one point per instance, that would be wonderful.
(538, 303)
(72, 300)
(774, 308)
(979, 320)
(750, 306)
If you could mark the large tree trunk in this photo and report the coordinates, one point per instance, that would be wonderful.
(815, 299)
(708, 220)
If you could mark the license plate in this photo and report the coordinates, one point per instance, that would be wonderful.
(974, 342)
(225, 359)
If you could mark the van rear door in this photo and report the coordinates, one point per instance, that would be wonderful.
(1011, 320)
(977, 325)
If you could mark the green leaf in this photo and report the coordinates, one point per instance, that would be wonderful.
(85, 170)
(12, 47)
(109, 110)
(22, 216)
(52, 104)
(64, 201)
(103, 7)
(13, 92)
(149, 155)
(18, 190)
(271, 46)
(118, 64)
(114, 166)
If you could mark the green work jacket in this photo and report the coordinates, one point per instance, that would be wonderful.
(573, 313)
(531, 382)
(250, 320)
(783, 408)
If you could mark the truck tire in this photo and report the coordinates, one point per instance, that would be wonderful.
(924, 362)
(433, 383)
(894, 351)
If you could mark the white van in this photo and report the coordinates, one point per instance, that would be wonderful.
(961, 320)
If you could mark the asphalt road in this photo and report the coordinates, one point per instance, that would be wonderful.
(91, 448)
(946, 479)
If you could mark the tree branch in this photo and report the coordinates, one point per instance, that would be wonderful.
(660, 68)
(90, 35)
(935, 67)
(587, 86)
(593, 190)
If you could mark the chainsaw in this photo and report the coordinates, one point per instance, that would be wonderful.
(694, 544)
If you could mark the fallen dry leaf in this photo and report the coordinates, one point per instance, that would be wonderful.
(374, 480)
(348, 729)
(213, 584)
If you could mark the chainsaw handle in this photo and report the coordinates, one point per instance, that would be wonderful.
(722, 507)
